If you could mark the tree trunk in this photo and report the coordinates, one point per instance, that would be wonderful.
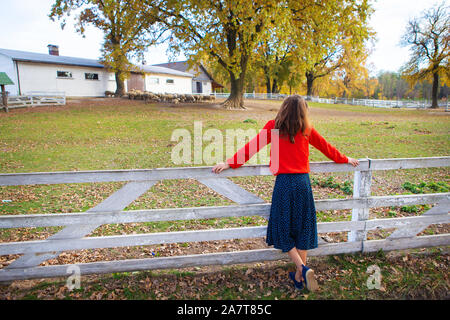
(309, 83)
(236, 98)
(346, 87)
(275, 86)
(434, 92)
(120, 85)
(267, 78)
(268, 84)
(4, 98)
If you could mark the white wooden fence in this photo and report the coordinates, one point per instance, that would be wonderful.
(416, 104)
(110, 211)
(36, 98)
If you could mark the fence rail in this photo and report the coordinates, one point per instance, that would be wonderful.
(79, 224)
(417, 104)
(37, 98)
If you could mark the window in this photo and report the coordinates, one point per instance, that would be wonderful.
(91, 76)
(170, 81)
(64, 74)
(153, 80)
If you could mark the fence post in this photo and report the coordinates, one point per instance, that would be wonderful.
(4, 98)
(362, 182)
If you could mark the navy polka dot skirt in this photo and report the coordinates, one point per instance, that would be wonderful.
(292, 221)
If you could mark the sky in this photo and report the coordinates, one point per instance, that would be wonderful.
(24, 25)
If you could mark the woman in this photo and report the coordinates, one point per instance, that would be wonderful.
(292, 225)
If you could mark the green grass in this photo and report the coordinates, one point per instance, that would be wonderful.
(96, 137)
(83, 138)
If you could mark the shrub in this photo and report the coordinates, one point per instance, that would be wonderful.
(347, 188)
(422, 187)
(409, 209)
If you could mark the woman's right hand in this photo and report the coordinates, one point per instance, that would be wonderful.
(353, 162)
(218, 168)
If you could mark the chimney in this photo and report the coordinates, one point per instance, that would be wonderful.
(53, 50)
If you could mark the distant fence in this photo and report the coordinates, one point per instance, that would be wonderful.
(423, 104)
(36, 98)
(420, 104)
(111, 211)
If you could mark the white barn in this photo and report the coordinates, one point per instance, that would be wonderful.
(53, 73)
(79, 77)
(160, 80)
(202, 81)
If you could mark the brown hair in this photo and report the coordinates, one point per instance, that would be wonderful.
(292, 117)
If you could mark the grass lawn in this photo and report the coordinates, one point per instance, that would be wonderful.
(100, 134)
(102, 137)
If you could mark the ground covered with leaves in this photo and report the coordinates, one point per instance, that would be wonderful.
(412, 274)
(122, 134)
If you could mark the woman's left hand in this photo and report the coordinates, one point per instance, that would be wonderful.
(353, 162)
(218, 168)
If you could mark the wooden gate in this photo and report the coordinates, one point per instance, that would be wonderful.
(36, 98)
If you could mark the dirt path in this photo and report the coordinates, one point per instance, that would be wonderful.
(256, 109)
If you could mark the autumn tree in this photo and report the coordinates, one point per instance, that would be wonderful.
(369, 88)
(275, 63)
(274, 54)
(226, 31)
(127, 27)
(294, 79)
(352, 74)
(428, 37)
(325, 31)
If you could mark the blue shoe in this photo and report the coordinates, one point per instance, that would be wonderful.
(297, 285)
(310, 279)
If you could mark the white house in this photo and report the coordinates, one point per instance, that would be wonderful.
(202, 81)
(160, 80)
(53, 73)
(82, 77)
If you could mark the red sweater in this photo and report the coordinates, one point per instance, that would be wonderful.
(290, 157)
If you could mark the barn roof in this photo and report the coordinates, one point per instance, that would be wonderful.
(159, 69)
(47, 58)
(74, 61)
(199, 74)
